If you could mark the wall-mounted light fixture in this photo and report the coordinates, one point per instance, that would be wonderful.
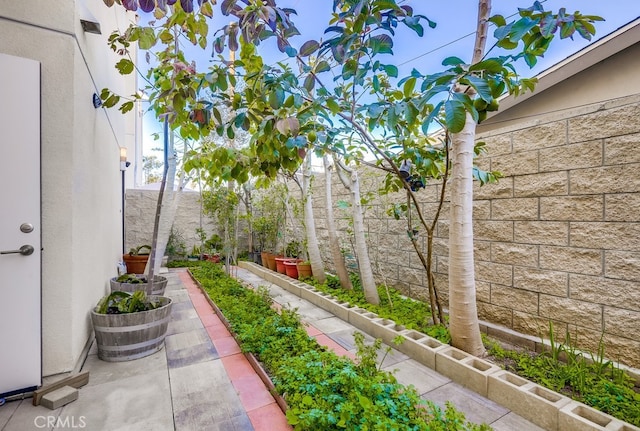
(88, 22)
(97, 102)
(124, 164)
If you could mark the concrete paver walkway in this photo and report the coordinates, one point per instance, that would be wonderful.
(201, 380)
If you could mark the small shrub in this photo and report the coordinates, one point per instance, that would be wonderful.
(324, 392)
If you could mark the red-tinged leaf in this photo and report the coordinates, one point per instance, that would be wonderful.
(187, 5)
(171, 2)
(308, 48)
(147, 5)
(227, 6)
(130, 4)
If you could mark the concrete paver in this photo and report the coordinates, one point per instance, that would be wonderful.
(201, 381)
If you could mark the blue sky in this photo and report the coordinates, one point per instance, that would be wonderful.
(456, 21)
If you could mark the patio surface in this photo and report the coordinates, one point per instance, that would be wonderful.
(201, 380)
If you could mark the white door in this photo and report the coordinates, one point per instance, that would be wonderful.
(20, 280)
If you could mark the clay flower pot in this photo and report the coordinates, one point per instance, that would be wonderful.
(291, 268)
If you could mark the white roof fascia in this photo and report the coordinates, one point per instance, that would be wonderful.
(617, 41)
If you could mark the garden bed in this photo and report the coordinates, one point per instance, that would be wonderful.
(322, 390)
(587, 378)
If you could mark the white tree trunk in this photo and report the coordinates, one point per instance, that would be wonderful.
(362, 251)
(334, 243)
(317, 266)
(170, 202)
(465, 332)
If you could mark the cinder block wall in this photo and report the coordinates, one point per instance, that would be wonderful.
(140, 211)
(556, 240)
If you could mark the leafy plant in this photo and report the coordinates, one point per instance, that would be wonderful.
(405, 311)
(323, 391)
(138, 251)
(131, 279)
(124, 302)
(563, 368)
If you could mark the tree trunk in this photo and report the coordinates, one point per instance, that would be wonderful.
(334, 243)
(317, 266)
(170, 202)
(465, 332)
(362, 252)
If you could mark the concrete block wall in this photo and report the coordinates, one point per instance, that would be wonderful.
(140, 211)
(556, 240)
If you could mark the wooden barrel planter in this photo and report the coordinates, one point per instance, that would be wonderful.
(159, 285)
(124, 337)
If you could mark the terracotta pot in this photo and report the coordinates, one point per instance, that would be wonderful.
(304, 270)
(271, 261)
(264, 256)
(280, 264)
(135, 263)
(291, 268)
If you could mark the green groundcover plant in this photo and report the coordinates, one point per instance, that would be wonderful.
(588, 378)
(323, 391)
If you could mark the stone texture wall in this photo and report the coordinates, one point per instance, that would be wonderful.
(140, 210)
(556, 240)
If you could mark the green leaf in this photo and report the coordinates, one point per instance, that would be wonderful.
(322, 66)
(276, 98)
(409, 86)
(455, 115)
(381, 44)
(452, 61)
(490, 66)
(125, 66)
(333, 106)
(391, 70)
(432, 115)
(308, 48)
(498, 20)
(309, 83)
(520, 28)
(481, 86)
(126, 107)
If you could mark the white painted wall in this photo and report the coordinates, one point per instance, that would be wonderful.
(81, 188)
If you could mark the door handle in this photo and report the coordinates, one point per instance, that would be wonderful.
(25, 250)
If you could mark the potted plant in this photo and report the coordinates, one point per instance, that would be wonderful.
(130, 325)
(132, 282)
(304, 269)
(136, 259)
(291, 267)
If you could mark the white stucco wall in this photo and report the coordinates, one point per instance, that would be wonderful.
(81, 188)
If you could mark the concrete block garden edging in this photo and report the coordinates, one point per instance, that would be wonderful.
(545, 408)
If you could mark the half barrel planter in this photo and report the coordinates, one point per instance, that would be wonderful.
(159, 285)
(124, 337)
